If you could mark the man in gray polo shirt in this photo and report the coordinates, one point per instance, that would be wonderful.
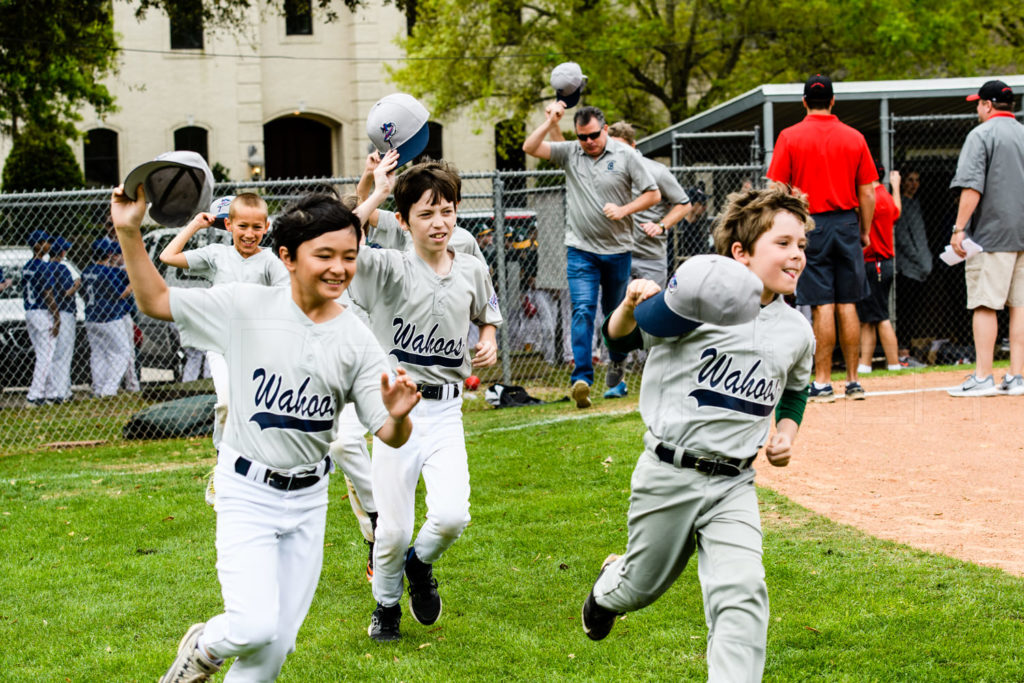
(600, 175)
(990, 175)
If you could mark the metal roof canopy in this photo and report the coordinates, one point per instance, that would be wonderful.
(861, 104)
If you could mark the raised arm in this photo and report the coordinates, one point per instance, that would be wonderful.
(623, 321)
(535, 144)
(151, 292)
(365, 184)
(894, 183)
(383, 182)
(172, 254)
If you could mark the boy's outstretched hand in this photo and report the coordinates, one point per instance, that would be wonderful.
(486, 354)
(127, 213)
(400, 396)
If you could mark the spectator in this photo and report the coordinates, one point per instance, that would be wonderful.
(110, 344)
(58, 388)
(913, 266)
(990, 175)
(42, 317)
(830, 162)
(600, 177)
(873, 310)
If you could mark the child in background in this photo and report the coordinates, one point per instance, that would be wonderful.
(105, 288)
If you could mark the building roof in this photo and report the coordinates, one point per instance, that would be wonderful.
(858, 103)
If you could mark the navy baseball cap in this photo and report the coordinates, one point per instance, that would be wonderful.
(704, 289)
(818, 87)
(993, 91)
(399, 121)
(105, 246)
(37, 236)
(59, 244)
(568, 81)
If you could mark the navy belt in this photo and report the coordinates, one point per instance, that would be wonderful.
(438, 392)
(279, 481)
(729, 467)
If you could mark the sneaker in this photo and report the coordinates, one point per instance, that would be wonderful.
(369, 562)
(911, 362)
(38, 402)
(1012, 385)
(616, 371)
(191, 664)
(618, 391)
(597, 621)
(823, 395)
(384, 623)
(211, 493)
(973, 386)
(581, 393)
(424, 602)
(855, 391)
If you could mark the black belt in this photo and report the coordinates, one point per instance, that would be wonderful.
(282, 482)
(730, 467)
(436, 392)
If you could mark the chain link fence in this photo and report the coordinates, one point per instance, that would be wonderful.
(518, 219)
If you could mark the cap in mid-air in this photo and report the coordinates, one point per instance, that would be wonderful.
(993, 91)
(704, 289)
(398, 121)
(568, 81)
(818, 87)
(178, 185)
(37, 236)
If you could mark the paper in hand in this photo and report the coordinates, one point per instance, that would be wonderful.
(951, 258)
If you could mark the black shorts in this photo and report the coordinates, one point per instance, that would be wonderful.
(835, 261)
(875, 308)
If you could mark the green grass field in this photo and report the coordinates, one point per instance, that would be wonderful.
(107, 557)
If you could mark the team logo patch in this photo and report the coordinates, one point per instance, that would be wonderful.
(672, 284)
(493, 302)
(611, 165)
(390, 130)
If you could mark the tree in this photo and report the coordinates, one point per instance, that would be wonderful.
(41, 160)
(53, 56)
(658, 61)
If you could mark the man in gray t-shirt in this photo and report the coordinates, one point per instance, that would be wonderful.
(990, 175)
(600, 175)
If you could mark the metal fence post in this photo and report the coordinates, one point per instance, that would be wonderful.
(498, 187)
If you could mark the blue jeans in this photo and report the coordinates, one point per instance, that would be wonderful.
(587, 274)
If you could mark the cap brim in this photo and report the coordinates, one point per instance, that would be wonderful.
(137, 176)
(414, 146)
(973, 98)
(654, 317)
(570, 99)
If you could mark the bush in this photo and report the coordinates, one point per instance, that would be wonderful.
(41, 160)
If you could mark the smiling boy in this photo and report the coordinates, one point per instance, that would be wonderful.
(725, 352)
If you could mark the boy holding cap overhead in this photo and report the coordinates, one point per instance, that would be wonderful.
(725, 352)
(42, 318)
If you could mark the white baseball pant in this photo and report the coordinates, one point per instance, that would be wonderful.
(109, 351)
(674, 511)
(437, 449)
(350, 453)
(130, 379)
(270, 547)
(40, 332)
(59, 384)
(219, 372)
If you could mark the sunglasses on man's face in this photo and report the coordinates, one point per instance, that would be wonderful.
(589, 136)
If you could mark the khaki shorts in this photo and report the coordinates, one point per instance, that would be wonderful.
(995, 279)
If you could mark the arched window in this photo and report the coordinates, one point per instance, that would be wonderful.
(101, 160)
(192, 139)
(297, 147)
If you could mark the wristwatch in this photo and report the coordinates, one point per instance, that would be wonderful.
(956, 229)
(663, 228)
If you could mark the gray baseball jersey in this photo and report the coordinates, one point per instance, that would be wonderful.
(289, 378)
(590, 184)
(390, 235)
(221, 263)
(645, 246)
(714, 390)
(422, 318)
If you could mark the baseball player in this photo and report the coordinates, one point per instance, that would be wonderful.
(105, 287)
(295, 357)
(42, 317)
(420, 304)
(243, 261)
(58, 388)
(726, 351)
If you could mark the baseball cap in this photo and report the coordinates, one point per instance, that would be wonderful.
(104, 246)
(696, 195)
(37, 236)
(704, 289)
(568, 81)
(993, 91)
(398, 121)
(59, 244)
(178, 185)
(819, 87)
(221, 209)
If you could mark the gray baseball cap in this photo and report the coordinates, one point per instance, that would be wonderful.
(568, 81)
(399, 121)
(704, 289)
(178, 185)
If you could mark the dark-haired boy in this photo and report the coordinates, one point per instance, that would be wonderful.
(420, 303)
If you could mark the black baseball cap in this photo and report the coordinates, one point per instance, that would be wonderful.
(819, 87)
(993, 91)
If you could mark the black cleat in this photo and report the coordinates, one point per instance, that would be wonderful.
(424, 602)
(597, 621)
(385, 622)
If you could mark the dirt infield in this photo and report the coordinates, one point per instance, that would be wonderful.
(923, 468)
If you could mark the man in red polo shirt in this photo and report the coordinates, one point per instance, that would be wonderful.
(831, 163)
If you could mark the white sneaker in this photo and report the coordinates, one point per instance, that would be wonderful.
(973, 386)
(1012, 385)
(191, 665)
